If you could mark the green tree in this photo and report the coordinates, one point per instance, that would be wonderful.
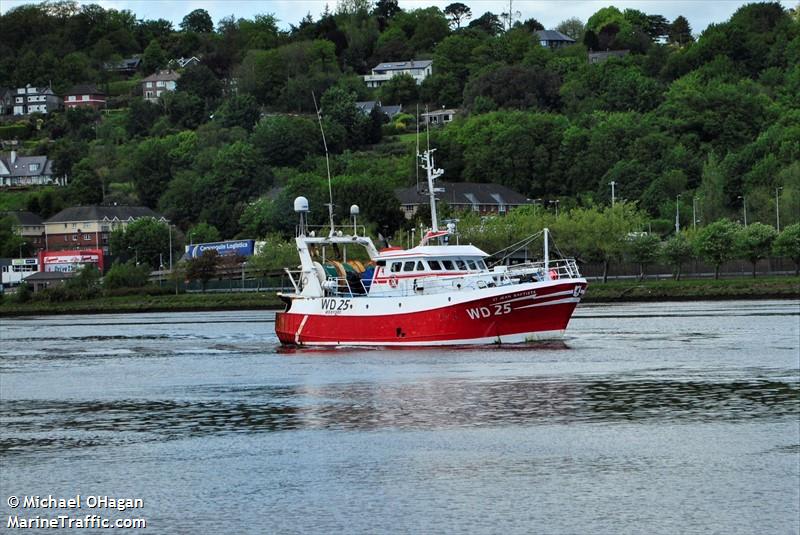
(204, 267)
(676, 251)
(787, 245)
(201, 81)
(572, 27)
(203, 233)
(680, 33)
(11, 244)
(238, 110)
(644, 250)
(401, 89)
(126, 275)
(198, 21)
(154, 57)
(716, 243)
(457, 12)
(754, 242)
(145, 241)
(275, 255)
(285, 140)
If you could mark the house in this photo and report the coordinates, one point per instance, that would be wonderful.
(554, 39)
(29, 226)
(27, 171)
(90, 227)
(42, 280)
(383, 72)
(6, 100)
(182, 63)
(86, 95)
(438, 117)
(127, 66)
(367, 106)
(602, 57)
(31, 99)
(482, 198)
(159, 83)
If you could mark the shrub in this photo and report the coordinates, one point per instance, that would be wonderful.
(127, 275)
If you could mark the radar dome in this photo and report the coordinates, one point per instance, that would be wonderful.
(301, 204)
(354, 210)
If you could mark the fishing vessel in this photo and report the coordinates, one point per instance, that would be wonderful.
(432, 294)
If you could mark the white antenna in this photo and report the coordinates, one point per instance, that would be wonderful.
(417, 153)
(327, 163)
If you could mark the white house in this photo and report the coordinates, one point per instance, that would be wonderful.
(157, 84)
(418, 69)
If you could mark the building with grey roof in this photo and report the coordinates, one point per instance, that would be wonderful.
(554, 39)
(159, 83)
(383, 72)
(20, 171)
(482, 198)
(29, 99)
(367, 106)
(90, 227)
(29, 226)
(438, 117)
(126, 66)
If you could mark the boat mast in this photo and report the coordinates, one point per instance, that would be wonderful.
(327, 164)
(432, 174)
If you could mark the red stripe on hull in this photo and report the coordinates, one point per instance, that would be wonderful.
(474, 320)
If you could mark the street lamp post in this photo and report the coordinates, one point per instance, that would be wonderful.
(777, 210)
(613, 197)
(744, 208)
(556, 203)
(694, 213)
(678, 214)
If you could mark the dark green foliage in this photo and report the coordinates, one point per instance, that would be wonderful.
(203, 233)
(754, 242)
(238, 110)
(201, 81)
(204, 267)
(144, 241)
(11, 245)
(716, 243)
(198, 21)
(515, 87)
(787, 245)
(126, 275)
(285, 140)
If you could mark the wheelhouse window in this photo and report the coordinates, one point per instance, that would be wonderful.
(409, 266)
(394, 267)
(435, 265)
(461, 265)
(472, 265)
(481, 265)
(448, 265)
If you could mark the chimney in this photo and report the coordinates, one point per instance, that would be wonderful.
(13, 156)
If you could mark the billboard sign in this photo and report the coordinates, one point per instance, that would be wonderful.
(224, 248)
(24, 261)
(69, 261)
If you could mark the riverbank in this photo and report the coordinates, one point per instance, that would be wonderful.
(598, 292)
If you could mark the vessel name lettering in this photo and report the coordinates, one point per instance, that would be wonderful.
(336, 305)
(485, 312)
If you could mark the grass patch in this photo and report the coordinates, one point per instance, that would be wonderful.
(694, 289)
(145, 303)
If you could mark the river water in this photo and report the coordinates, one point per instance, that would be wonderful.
(648, 418)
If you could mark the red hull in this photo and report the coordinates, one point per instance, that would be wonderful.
(478, 321)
